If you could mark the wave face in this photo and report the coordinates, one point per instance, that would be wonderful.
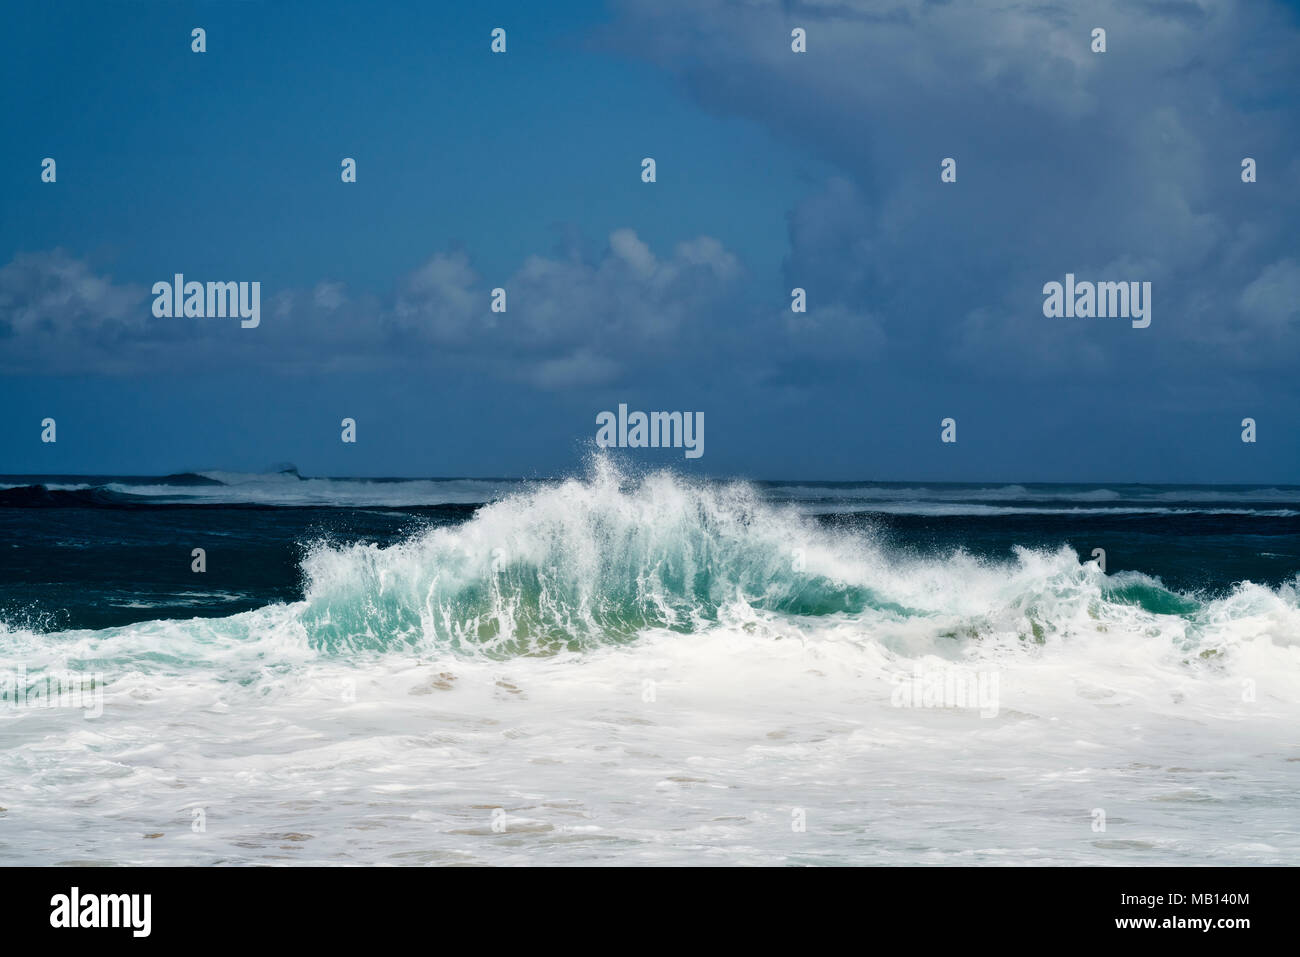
(576, 565)
(646, 669)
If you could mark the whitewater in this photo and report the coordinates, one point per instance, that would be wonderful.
(646, 669)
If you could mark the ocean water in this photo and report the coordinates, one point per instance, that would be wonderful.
(640, 668)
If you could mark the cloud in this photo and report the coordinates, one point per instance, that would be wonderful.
(569, 322)
(52, 292)
(1122, 165)
(582, 368)
(328, 295)
(1274, 297)
(53, 306)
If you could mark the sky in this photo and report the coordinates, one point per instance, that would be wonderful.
(522, 170)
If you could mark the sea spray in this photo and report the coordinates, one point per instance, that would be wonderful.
(597, 560)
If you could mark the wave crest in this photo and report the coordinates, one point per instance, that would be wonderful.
(583, 561)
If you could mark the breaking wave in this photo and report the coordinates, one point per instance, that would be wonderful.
(598, 560)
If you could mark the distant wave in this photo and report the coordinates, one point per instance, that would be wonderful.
(956, 509)
(189, 479)
(1027, 495)
(41, 496)
(280, 489)
(287, 488)
(118, 497)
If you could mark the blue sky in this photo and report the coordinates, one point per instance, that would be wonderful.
(775, 170)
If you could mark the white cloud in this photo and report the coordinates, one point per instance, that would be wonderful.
(567, 323)
(1274, 296)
